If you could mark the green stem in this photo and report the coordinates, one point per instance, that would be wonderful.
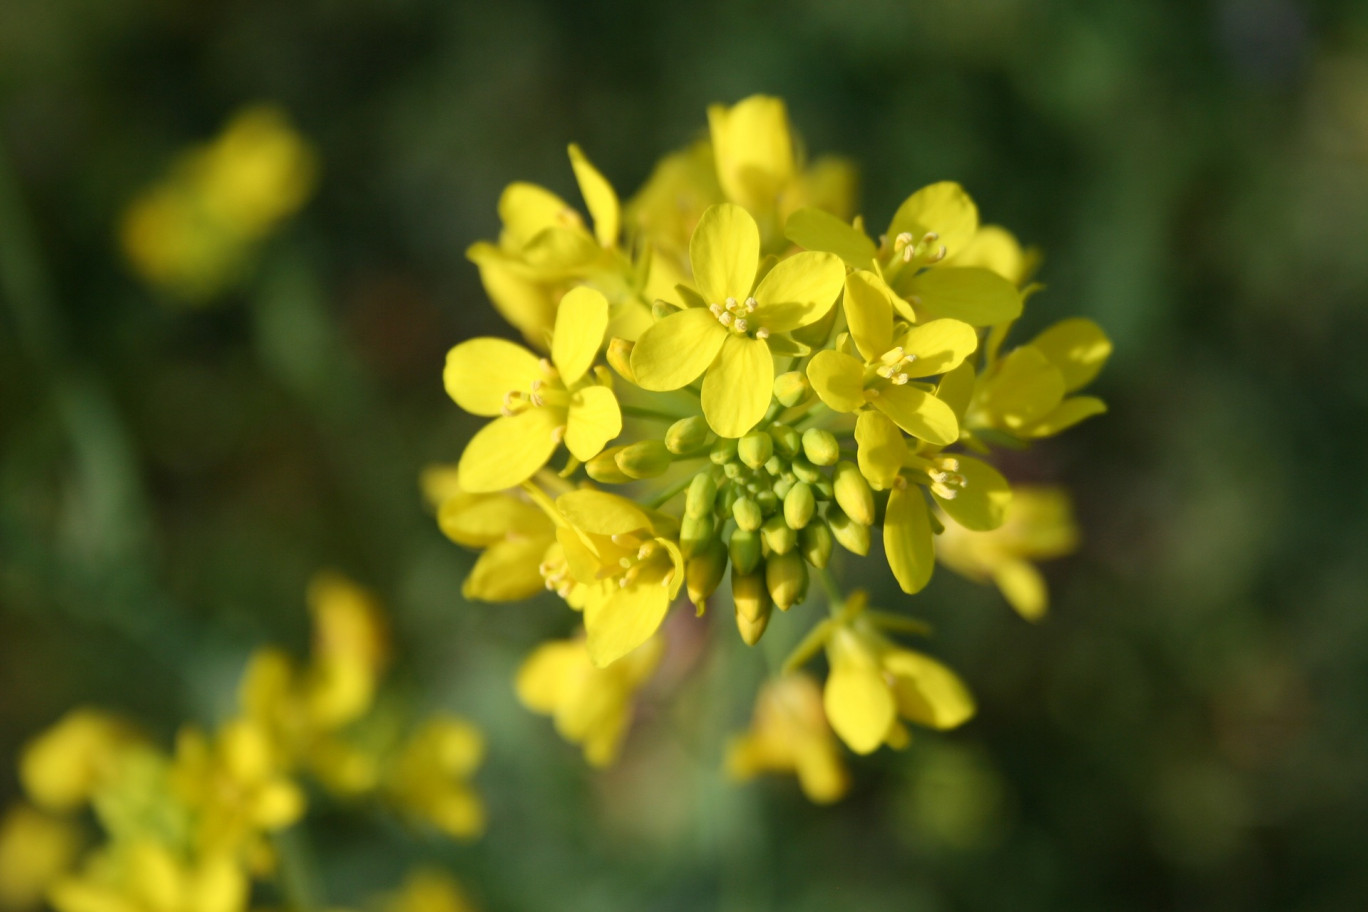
(636, 411)
(833, 592)
(669, 493)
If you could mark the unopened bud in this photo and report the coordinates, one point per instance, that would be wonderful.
(701, 495)
(806, 471)
(726, 500)
(853, 493)
(703, 573)
(619, 357)
(744, 548)
(644, 459)
(786, 577)
(603, 468)
(786, 440)
(815, 543)
(687, 435)
(799, 505)
(662, 309)
(782, 487)
(755, 449)
(768, 501)
(820, 447)
(695, 532)
(778, 536)
(723, 451)
(753, 605)
(747, 514)
(853, 536)
(791, 388)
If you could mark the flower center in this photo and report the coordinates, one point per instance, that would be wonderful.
(924, 252)
(736, 316)
(546, 390)
(946, 480)
(893, 365)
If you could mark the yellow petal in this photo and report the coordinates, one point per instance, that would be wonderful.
(738, 387)
(982, 503)
(907, 538)
(928, 693)
(508, 451)
(479, 373)
(976, 296)
(869, 304)
(956, 389)
(814, 229)
(859, 706)
(581, 320)
(624, 621)
(919, 413)
(725, 252)
(527, 210)
(938, 346)
(1023, 587)
(557, 252)
(838, 379)
(477, 521)
(676, 350)
(1025, 388)
(753, 149)
(1067, 414)
(996, 248)
(544, 676)
(598, 195)
(508, 571)
(601, 513)
(520, 300)
(943, 208)
(881, 449)
(592, 420)
(798, 291)
(1078, 347)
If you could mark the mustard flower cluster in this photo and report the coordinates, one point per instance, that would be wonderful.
(193, 829)
(726, 382)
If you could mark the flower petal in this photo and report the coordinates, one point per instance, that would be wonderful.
(1067, 414)
(518, 299)
(1078, 347)
(838, 379)
(542, 678)
(919, 413)
(996, 248)
(1024, 389)
(881, 449)
(592, 420)
(624, 620)
(527, 210)
(581, 320)
(480, 372)
(725, 252)
(858, 705)
(508, 571)
(943, 208)
(508, 451)
(753, 149)
(938, 346)
(676, 350)
(981, 504)
(478, 520)
(598, 195)
(799, 290)
(976, 296)
(907, 538)
(928, 692)
(1023, 587)
(813, 229)
(869, 304)
(601, 513)
(738, 387)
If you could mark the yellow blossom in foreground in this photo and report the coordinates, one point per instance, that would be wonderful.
(513, 535)
(35, 850)
(1039, 526)
(591, 706)
(429, 777)
(790, 734)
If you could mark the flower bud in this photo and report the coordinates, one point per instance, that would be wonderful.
(703, 573)
(799, 505)
(603, 468)
(805, 471)
(774, 466)
(687, 435)
(786, 440)
(852, 536)
(777, 534)
(768, 501)
(619, 356)
(701, 495)
(786, 577)
(821, 447)
(744, 548)
(753, 605)
(853, 493)
(644, 459)
(747, 514)
(695, 532)
(662, 309)
(791, 388)
(815, 543)
(726, 500)
(782, 487)
(755, 449)
(723, 451)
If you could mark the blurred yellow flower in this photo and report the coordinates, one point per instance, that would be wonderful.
(428, 890)
(35, 849)
(429, 778)
(64, 766)
(789, 734)
(143, 876)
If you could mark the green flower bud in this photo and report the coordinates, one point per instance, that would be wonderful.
(744, 548)
(777, 534)
(662, 309)
(733, 470)
(603, 468)
(799, 505)
(753, 605)
(723, 451)
(644, 459)
(774, 467)
(747, 514)
(695, 532)
(619, 357)
(786, 440)
(755, 449)
(806, 471)
(791, 388)
(786, 577)
(687, 435)
(853, 536)
(815, 543)
(727, 500)
(822, 489)
(703, 573)
(782, 487)
(701, 495)
(853, 493)
(820, 447)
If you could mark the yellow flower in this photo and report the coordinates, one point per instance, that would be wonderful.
(1039, 526)
(35, 850)
(591, 705)
(146, 877)
(428, 890)
(789, 733)
(64, 766)
(727, 341)
(873, 681)
(626, 570)
(539, 402)
(513, 534)
(349, 650)
(429, 777)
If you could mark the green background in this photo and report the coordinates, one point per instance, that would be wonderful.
(1188, 730)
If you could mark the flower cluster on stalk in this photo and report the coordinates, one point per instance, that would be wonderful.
(727, 384)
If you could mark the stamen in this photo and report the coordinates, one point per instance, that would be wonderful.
(899, 379)
(751, 304)
(725, 318)
(731, 303)
(740, 324)
(762, 333)
(893, 355)
(716, 309)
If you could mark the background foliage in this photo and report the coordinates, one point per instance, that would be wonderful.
(1186, 731)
